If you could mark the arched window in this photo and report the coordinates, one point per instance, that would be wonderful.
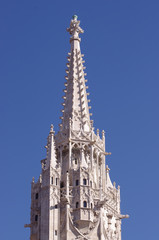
(91, 205)
(85, 204)
(52, 180)
(77, 182)
(62, 184)
(84, 181)
(77, 205)
(56, 181)
(55, 205)
(75, 160)
(36, 218)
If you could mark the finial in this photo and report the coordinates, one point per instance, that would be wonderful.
(75, 29)
(74, 17)
(103, 133)
(51, 128)
(97, 132)
(33, 179)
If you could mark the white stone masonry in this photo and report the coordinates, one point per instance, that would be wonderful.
(74, 197)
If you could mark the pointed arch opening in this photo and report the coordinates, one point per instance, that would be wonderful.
(84, 204)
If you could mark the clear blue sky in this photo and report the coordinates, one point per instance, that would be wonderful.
(121, 47)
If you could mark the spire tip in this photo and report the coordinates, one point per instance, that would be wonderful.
(74, 17)
(74, 28)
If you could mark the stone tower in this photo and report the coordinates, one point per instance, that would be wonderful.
(74, 197)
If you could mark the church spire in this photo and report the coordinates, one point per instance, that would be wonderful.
(74, 197)
(75, 99)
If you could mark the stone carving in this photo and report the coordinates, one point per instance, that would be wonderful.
(74, 28)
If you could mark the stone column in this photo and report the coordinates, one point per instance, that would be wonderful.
(118, 228)
(97, 168)
(91, 157)
(103, 172)
(61, 157)
(109, 226)
(67, 206)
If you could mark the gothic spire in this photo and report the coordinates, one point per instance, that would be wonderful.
(51, 154)
(75, 99)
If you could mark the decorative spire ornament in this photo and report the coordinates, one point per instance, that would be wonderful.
(75, 29)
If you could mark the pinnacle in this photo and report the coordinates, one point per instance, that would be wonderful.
(51, 128)
(107, 168)
(51, 153)
(75, 98)
(108, 181)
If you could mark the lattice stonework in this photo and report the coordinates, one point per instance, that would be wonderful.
(74, 197)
